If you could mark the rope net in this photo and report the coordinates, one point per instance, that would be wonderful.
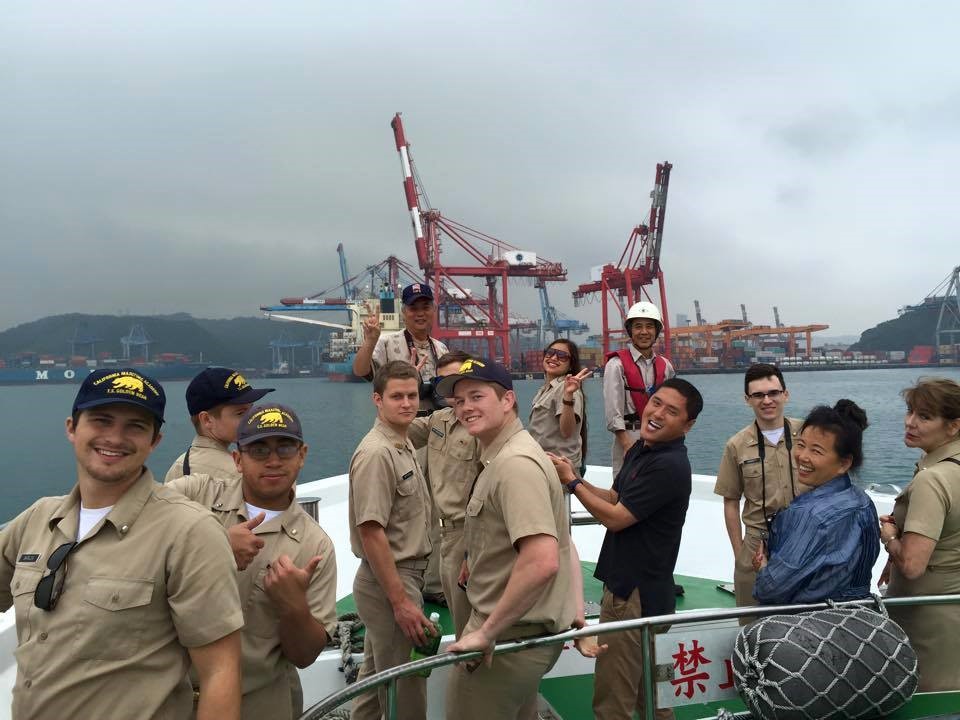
(842, 663)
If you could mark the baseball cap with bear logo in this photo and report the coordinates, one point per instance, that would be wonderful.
(263, 421)
(120, 385)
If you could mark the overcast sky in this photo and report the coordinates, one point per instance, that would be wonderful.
(207, 157)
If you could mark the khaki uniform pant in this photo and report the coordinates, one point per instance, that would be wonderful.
(431, 576)
(617, 453)
(385, 646)
(507, 690)
(744, 576)
(272, 702)
(451, 558)
(618, 677)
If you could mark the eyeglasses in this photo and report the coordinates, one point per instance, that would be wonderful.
(48, 589)
(260, 451)
(772, 394)
(560, 355)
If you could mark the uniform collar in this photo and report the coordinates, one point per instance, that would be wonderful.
(659, 447)
(637, 357)
(507, 432)
(290, 522)
(794, 431)
(941, 453)
(121, 517)
(396, 439)
(202, 441)
(447, 416)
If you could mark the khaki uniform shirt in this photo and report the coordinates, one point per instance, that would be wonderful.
(740, 476)
(292, 533)
(453, 460)
(544, 422)
(387, 486)
(517, 495)
(930, 506)
(207, 457)
(154, 577)
(617, 401)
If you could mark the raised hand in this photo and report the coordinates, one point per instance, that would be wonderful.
(371, 327)
(571, 383)
(243, 542)
(286, 584)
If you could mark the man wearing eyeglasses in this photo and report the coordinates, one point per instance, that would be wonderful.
(288, 570)
(121, 584)
(757, 468)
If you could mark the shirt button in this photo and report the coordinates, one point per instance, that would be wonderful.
(28, 683)
(218, 504)
(115, 598)
(124, 529)
(16, 584)
(43, 636)
(293, 532)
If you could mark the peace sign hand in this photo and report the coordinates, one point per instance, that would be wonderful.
(571, 383)
(371, 327)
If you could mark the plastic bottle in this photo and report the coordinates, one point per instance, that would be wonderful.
(419, 652)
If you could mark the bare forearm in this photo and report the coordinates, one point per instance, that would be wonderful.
(605, 494)
(218, 672)
(302, 638)
(377, 551)
(731, 518)
(623, 437)
(363, 360)
(612, 515)
(568, 421)
(536, 564)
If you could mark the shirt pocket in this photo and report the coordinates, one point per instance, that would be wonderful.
(407, 501)
(462, 450)
(474, 530)
(259, 616)
(23, 584)
(113, 617)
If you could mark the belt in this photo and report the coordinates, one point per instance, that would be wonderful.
(450, 524)
(522, 632)
(412, 564)
(424, 413)
(632, 424)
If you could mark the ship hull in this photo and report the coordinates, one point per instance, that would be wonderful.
(76, 375)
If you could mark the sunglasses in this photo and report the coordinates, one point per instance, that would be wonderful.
(262, 452)
(772, 394)
(560, 355)
(48, 589)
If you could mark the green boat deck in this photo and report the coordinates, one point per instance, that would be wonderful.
(571, 697)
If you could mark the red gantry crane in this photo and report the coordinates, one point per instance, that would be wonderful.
(639, 266)
(466, 317)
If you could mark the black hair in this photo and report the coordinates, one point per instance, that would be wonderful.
(690, 393)
(846, 421)
(759, 371)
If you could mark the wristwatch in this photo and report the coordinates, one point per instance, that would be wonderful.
(571, 403)
(572, 485)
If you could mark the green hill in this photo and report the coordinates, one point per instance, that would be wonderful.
(916, 326)
(237, 342)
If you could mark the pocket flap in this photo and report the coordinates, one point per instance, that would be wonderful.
(25, 580)
(474, 506)
(407, 486)
(118, 593)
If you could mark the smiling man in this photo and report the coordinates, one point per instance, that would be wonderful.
(644, 514)
(758, 468)
(390, 514)
(517, 569)
(288, 569)
(121, 584)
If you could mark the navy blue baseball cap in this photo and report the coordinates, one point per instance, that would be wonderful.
(121, 385)
(263, 421)
(476, 369)
(412, 293)
(220, 386)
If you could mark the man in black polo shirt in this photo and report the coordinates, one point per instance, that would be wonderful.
(643, 514)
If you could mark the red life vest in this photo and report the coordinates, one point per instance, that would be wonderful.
(634, 379)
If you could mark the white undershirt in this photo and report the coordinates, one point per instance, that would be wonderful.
(90, 517)
(773, 436)
(253, 511)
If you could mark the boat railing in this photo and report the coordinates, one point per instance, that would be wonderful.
(648, 626)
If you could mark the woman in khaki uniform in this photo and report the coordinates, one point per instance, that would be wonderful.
(923, 535)
(557, 418)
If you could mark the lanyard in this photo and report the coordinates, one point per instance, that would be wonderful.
(413, 348)
(762, 450)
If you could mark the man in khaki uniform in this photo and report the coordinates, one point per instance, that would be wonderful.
(121, 584)
(217, 399)
(452, 464)
(517, 566)
(389, 531)
(288, 577)
(766, 485)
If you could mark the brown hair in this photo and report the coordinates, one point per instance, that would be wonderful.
(394, 370)
(938, 396)
(454, 356)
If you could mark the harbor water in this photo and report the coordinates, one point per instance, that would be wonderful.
(38, 460)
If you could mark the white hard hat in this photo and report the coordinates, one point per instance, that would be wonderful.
(645, 310)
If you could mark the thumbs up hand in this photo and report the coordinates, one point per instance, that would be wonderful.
(243, 542)
(286, 584)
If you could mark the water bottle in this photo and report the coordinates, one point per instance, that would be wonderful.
(434, 635)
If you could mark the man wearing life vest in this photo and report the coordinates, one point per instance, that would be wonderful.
(631, 376)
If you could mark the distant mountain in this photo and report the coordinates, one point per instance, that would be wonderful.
(916, 326)
(238, 342)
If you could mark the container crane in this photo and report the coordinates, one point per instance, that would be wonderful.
(348, 290)
(639, 266)
(554, 321)
(487, 319)
(696, 307)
